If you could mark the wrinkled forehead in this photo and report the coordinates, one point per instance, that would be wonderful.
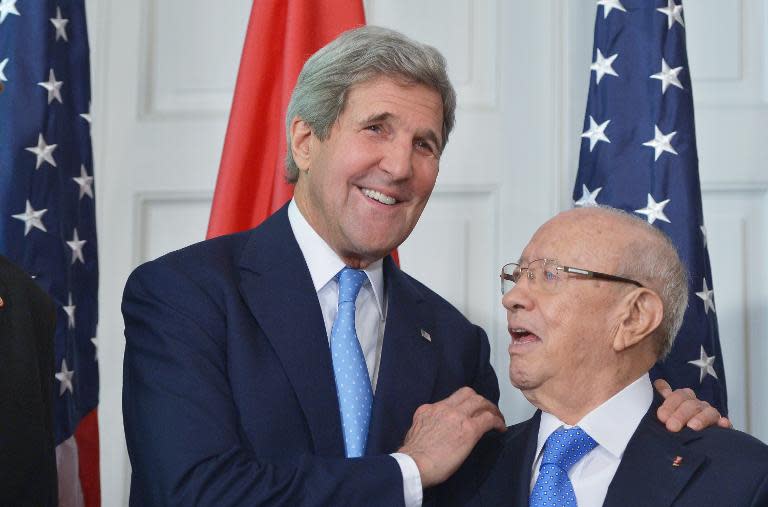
(590, 240)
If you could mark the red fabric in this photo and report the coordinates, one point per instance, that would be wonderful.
(87, 438)
(282, 34)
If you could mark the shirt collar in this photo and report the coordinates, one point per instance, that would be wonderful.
(613, 422)
(322, 261)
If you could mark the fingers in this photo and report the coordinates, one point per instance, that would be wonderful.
(707, 416)
(663, 387)
(672, 403)
(724, 422)
(460, 396)
(695, 414)
(443, 434)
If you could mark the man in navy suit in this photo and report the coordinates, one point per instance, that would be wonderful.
(595, 300)
(231, 394)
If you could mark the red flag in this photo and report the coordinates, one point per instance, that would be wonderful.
(282, 34)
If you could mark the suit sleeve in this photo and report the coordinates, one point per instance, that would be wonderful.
(181, 421)
(485, 382)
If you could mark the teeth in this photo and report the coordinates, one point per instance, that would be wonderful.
(378, 196)
(519, 330)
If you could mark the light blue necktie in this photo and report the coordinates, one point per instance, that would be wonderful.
(563, 449)
(353, 386)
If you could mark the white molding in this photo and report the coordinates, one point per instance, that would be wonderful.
(183, 104)
(143, 201)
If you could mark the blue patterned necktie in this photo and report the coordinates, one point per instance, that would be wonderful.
(353, 386)
(563, 449)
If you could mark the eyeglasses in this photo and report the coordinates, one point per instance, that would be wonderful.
(548, 275)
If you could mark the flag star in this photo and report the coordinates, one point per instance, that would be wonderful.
(673, 12)
(603, 66)
(53, 87)
(2, 70)
(704, 234)
(43, 151)
(69, 308)
(654, 210)
(704, 364)
(668, 76)
(7, 7)
(707, 295)
(661, 142)
(95, 342)
(31, 218)
(587, 198)
(85, 182)
(596, 132)
(608, 5)
(60, 24)
(65, 378)
(77, 247)
(87, 116)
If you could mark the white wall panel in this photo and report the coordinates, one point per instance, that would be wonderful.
(191, 55)
(167, 221)
(715, 40)
(736, 217)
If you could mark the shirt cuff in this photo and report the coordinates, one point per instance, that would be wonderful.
(411, 479)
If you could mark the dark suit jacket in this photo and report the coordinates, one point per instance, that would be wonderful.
(229, 396)
(718, 467)
(27, 455)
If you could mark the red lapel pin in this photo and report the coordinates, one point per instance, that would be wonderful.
(677, 461)
(2, 302)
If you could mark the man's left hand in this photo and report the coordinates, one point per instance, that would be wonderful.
(682, 408)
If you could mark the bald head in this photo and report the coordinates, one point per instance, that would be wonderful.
(631, 248)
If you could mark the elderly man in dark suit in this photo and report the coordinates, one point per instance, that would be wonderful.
(27, 455)
(595, 300)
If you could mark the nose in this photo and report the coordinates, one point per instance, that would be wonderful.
(397, 160)
(519, 297)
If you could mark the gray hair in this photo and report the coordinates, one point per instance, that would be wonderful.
(354, 57)
(657, 266)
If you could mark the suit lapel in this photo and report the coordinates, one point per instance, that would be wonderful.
(647, 474)
(277, 287)
(408, 363)
(512, 472)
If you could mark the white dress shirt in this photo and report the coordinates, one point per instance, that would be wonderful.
(370, 318)
(611, 425)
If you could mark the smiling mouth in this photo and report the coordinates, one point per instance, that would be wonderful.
(522, 336)
(379, 197)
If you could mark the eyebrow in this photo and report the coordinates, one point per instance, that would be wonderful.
(428, 134)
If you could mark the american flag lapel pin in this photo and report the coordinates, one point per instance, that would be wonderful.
(677, 461)
(426, 336)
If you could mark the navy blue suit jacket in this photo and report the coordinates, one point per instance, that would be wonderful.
(717, 467)
(229, 396)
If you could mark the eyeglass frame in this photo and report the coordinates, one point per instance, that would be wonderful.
(566, 269)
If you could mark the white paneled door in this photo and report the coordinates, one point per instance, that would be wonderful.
(164, 71)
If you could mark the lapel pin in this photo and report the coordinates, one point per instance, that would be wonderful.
(677, 461)
(2, 302)
(426, 336)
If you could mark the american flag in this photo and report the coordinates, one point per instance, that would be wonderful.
(48, 215)
(638, 153)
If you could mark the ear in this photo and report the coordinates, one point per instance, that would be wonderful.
(301, 142)
(641, 314)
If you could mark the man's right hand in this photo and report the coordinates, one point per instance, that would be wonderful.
(443, 434)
